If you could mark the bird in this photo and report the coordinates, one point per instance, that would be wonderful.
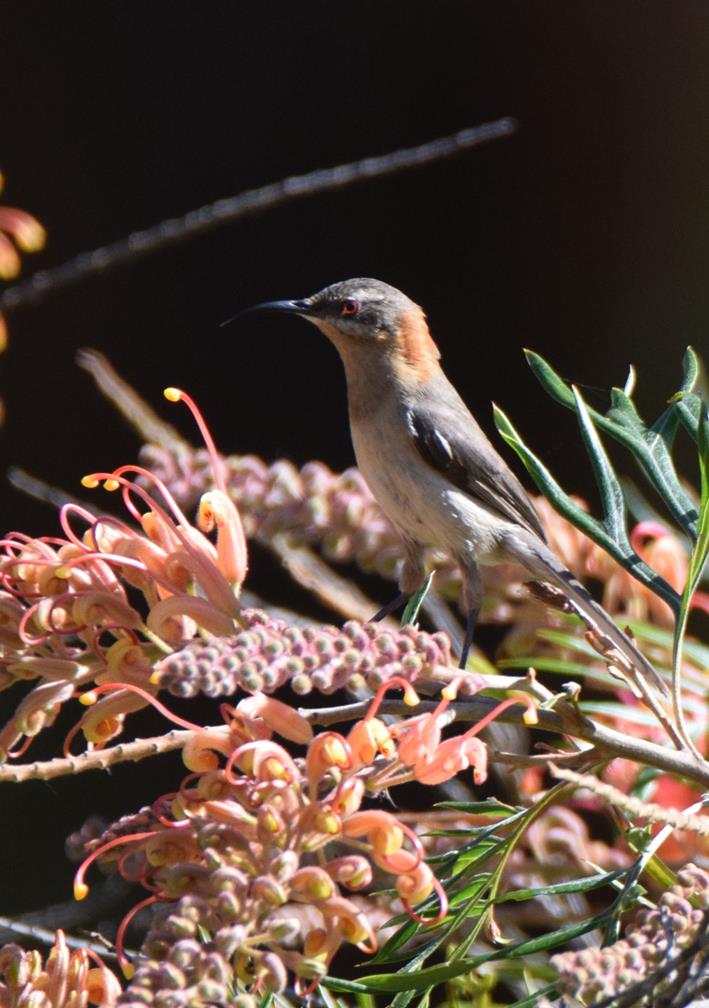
(427, 461)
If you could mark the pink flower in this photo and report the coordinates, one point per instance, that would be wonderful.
(451, 757)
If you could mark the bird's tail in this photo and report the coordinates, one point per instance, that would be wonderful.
(542, 563)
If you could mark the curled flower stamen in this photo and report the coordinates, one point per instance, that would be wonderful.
(126, 966)
(218, 468)
(442, 905)
(81, 890)
(529, 717)
(90, 697)
(411, 697)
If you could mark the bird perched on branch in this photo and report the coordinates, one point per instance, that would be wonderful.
(427, 462)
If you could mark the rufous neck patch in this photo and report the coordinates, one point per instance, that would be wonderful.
(416, 343)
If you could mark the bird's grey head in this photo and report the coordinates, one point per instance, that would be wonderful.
(360, 309)
(364, 317)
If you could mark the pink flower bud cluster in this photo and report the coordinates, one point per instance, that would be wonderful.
(188, 975)
(651, 943)
(270, 652)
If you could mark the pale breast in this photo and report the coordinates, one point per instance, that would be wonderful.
(420, 502)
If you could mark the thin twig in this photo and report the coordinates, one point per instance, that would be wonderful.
(176, 229)
(640, 809)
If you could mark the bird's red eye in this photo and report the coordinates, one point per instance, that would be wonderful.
(349, 306)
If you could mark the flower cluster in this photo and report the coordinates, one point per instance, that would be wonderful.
(255, 849)
(65, 979)
(67, 604)
(655, 939)
(269, 652)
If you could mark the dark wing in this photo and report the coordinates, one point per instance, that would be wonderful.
(451, 442)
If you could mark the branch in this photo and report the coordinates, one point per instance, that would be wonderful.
(177, 229)
(99, 759)
(563, 720)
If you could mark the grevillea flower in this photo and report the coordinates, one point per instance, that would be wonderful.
(666, 554)
(237, 842)
(420, 754)
(650, 951)
(232, 853)
(65, 979)
(65, 614)
(19, 232)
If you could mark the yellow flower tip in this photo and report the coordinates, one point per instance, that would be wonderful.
(31, 237)
(172, 394)
(90, 482)
(81, 891)
(411, 697)
(155, 678)
(9, 268)
(111, 485)
(128, 970)
(62, 572)
(87, 699)
(530, 716)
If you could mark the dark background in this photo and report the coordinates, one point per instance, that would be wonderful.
(584, 236)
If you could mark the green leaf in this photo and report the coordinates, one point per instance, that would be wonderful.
(697, 652)
(488, 807)
(623, 423)
(576, 886)
(411, 610)
(685, 401)
(697, 561)
(594, 529)
(389, 983)
(534, 999)
(611, 494)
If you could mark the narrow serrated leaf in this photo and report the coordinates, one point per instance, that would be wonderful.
(563, 503)
(576, 886)
(608, 483)
(488, 807)
(432, 975)
(625, 425)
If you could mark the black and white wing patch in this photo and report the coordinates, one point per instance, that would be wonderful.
(465, 456)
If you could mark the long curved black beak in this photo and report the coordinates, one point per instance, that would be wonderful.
(286, 307)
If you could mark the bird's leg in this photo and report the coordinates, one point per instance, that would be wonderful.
(468, 639)
(401, 599)
(411, 578)
(472, 597)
